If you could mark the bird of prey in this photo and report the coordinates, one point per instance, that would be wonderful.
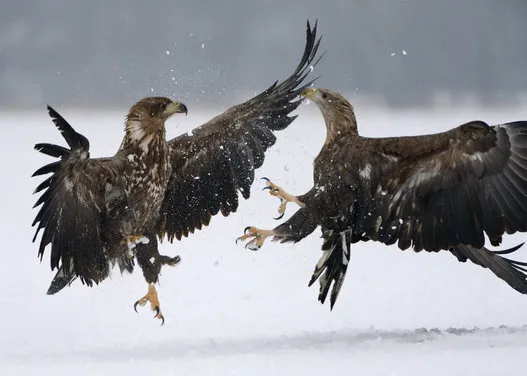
(97, 213)
(434, 192)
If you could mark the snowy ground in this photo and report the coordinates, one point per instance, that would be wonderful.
(234, 312)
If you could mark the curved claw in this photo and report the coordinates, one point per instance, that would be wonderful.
(159, 315)
(280, 216)
(135, 306)
(244, 233)
(266, 188)
(266, 179)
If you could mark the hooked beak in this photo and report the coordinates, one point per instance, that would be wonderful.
(308, 92)
(176, 108)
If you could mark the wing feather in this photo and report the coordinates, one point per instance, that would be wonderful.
(473, 185)
(445, 194)
(70, 209)
(215, 164)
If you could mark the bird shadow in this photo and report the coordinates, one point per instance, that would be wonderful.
(347, 338)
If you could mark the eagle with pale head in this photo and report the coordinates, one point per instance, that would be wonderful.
(454, 191)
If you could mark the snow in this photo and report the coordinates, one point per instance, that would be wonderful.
(230, 311)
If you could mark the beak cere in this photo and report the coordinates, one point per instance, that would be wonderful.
(308, 92)
(176, 108)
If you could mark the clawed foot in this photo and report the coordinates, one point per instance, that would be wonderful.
(257, 237)
(151, 296)
(284, 197)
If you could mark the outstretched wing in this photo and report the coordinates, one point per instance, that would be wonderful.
(73, 203)
(210, 167)
(432, 193)
(474, 183)
(511, 271)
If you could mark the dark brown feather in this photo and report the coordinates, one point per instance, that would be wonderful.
(89, 206)
(436, 192)
(215, 163)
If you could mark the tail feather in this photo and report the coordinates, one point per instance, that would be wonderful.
(332, 266)
(511, 271)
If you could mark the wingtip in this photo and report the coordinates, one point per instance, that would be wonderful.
(313, 29)
(51, 111)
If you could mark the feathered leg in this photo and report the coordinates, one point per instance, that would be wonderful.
(151, 261)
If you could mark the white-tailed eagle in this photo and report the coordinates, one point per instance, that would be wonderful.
(435, 192)
(96, 213)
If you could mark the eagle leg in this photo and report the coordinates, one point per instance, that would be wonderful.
(133, 240)
(257, 237)
(151, 296)
(284, 197)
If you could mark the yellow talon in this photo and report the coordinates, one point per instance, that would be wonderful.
(151, 296)
(257, 237)
(275, 190)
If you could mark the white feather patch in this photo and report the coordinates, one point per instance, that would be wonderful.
(145, 142)
(135, 129)
(345, 249)
(365, 172)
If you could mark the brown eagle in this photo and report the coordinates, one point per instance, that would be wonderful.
(96, 213)
(435, 192)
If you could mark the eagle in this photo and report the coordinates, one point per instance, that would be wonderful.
(96, 213)
(436, 192)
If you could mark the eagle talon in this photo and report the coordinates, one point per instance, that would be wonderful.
(151, 296)
(284, 197)
(255, 236)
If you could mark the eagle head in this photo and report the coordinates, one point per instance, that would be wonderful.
(336, 110)
(325, 98)
(155, 108)
(146, 119)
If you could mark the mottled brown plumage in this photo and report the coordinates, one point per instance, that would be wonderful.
(100, 212)
(435, 192)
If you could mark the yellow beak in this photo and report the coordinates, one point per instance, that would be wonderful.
(308, 92)
(176, 108)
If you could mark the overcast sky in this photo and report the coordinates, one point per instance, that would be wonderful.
(110, 53)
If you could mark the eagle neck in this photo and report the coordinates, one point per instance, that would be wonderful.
(144, 137)
(338, 123)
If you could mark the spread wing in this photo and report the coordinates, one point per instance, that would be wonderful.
(210, 167)
(73, 204)
(436, 192)
(475, 183)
